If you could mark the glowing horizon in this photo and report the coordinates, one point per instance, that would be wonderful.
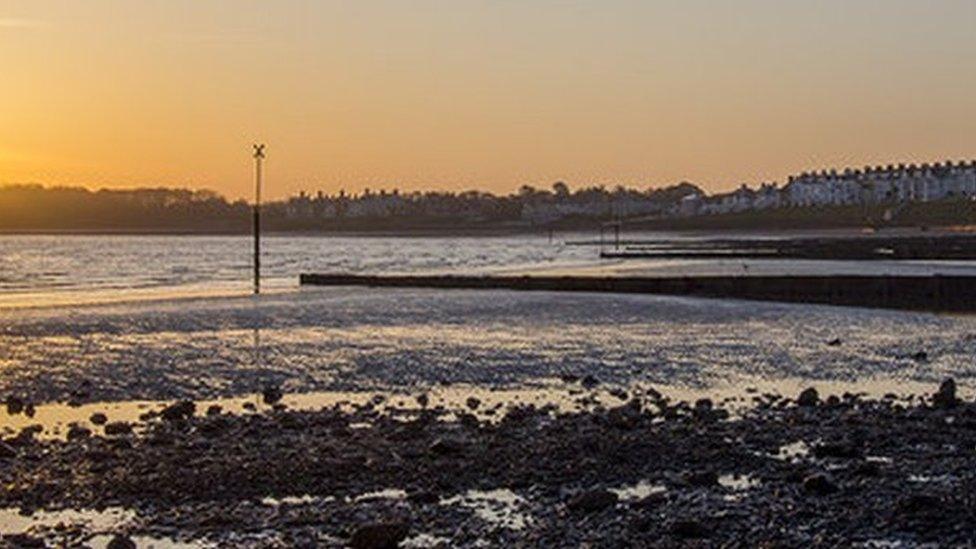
(466, 94)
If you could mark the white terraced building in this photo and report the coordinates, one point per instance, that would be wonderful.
(901, 183)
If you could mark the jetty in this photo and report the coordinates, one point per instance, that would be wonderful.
(938, 248)
(936, 293)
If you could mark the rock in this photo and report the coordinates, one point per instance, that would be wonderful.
(177, 411)
(920, 356)
(77, 432)
(98, 418)
(691, 529)
(117, 428)
(867, 469)
(14, 405)
(592, 501)
(7, 451)
(590, 381)
(24, 541)
(423, 497)
(29, 409)
(271, 394)
(121, 542)
(423, 400)
(624, 417)
(701, 478)
(214, 410)
(946, 396)
(473, 403)
(569, 378)
(379, 535)
(843, 450)
(836, 342)
(819, 484)
(917, 504)
(445, 446)
(808, 397)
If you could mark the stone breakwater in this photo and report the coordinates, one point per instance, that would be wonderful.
(922, 293)
(811, 470)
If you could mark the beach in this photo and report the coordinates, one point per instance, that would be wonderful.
(189, 413)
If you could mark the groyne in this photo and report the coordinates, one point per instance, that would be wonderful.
(926, 293)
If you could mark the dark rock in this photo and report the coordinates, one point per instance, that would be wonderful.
(592, 501)
(569, 378)
(836, 342)
(590, 381)
(701, 478)
(423, 400)
(867, 469)
(946, 396)
(7, 451)
(98, 418)
(214, 410)
(177, 411)
(379, 535)
(843, 450)
(117, 428)
(77, 432)
(446, 446)
(423, 497)
(690, 529)
(29, 409)
(14, 405)
(819, 484)
(920, 356)
(121, 542)
(249, 406)
(808, 397)
(25, 541)
(271, 394)
(624, 417)
(919, 504)
(473, 403)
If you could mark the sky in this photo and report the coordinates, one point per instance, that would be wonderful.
(478, 94)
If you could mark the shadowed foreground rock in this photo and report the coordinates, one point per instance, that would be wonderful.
(830, 472)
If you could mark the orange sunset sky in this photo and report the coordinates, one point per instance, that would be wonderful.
(487, 94)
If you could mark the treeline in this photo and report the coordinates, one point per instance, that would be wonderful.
(37, 208)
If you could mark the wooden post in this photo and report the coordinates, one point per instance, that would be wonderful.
(258, 157)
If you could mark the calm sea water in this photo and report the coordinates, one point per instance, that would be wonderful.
(46, 267)
(66, 269)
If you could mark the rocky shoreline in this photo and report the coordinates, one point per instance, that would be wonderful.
(810, 470)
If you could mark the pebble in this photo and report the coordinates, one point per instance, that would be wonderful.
(819, 484)
(592, 501)
(177, 411)
(808, 397)
(121, 542)
(379, 535)
(271, 394)
(945, 397)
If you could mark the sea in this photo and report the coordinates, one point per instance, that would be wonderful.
(157, 318)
